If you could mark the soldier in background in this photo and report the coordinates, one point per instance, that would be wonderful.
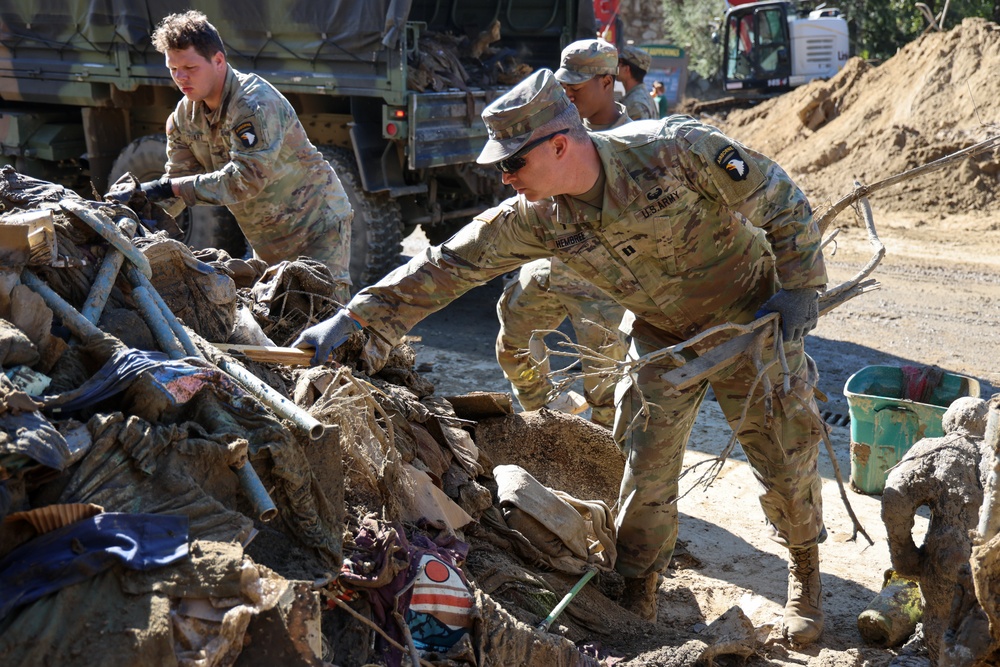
(632, 67)
(688, 230)
(235, 141)
(545, 292)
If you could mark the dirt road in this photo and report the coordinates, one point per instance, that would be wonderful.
(939, 304)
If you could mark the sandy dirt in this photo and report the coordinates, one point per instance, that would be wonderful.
(939, 304)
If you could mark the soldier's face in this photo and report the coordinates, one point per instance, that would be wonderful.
(591, 96)
(200, 79)
(540, 176)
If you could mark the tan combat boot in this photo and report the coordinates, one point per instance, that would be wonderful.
(640, 596)
(803, 622)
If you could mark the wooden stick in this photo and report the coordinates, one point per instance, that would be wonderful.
(289, 356)
(343, 605)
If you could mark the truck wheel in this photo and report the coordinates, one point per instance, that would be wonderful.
(203, 226)
(377, 230)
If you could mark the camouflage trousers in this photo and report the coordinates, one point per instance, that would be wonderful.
(541, 296)
(329, 244)
(782, 450)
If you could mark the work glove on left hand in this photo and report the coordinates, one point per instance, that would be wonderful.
(798, 308)
(328, 335)
(157, 190)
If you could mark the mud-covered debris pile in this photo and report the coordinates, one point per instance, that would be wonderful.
(165, 502)
(933, 98)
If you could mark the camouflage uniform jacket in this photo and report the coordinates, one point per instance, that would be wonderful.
(640, 104)
(679, 241)
(252, 155)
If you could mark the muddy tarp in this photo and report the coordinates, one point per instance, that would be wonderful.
(121, 617)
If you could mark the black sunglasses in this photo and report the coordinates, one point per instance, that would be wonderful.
(517, 161)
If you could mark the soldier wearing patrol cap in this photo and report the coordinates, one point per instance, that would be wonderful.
(235, 141)
(587, 73)
(632, 67)
(688, 230)
(545, 292)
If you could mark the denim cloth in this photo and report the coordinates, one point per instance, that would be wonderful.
(76, 552)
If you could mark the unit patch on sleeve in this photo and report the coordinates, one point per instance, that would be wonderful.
(730, 159)
(247, 134)
(728, 167)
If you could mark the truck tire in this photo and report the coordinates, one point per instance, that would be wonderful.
(377, 230)
(203, 226)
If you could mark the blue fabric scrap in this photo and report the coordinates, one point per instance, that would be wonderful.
(76, 552)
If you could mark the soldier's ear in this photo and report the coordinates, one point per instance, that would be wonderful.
(560, 142)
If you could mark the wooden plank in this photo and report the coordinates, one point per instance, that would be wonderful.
(289, 356)
(711, 362)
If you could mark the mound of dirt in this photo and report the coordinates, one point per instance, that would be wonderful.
(868, 123)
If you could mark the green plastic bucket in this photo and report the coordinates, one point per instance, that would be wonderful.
(884, 424)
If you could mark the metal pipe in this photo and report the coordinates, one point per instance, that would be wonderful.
(157, 323)
(176, 327)
(281, 405)
(278, 403)
(254, 488)
(104, 282)
(77, 323)
(101, 224)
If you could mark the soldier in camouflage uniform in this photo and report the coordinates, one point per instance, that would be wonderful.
(545, 292)
(234, 140)
(632, 67)
(693, 230)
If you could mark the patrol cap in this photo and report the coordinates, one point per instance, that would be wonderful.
(635, 56)
(534, 108)
(584, 59)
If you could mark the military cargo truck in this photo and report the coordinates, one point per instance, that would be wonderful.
(377, 85)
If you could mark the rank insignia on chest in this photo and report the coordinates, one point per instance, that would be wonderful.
(730, 159)
(247, 134)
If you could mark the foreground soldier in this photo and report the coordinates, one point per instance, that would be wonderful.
(693, 230)
(235, 141)
(632, 68)
(545, 292)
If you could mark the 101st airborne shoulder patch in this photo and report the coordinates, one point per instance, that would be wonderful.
(734, 174)
(247, 134)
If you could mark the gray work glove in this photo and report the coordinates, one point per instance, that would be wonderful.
(798, 308)
(157, 190)
(328, 335)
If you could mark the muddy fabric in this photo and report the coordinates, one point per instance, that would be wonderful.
(172, 469)
(508, 641)
(15, 401)
(76, 552)
(227, 414)
(122, 618)
(93, 620)
(117, 375)
(202, 297)
(304, 289)
(15, 348)
(558, 527)
(34, 436)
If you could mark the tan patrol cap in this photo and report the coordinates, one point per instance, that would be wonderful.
(633, 55)
(585, 59)
(536, 107)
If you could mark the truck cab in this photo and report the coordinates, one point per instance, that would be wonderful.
(769, 47)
